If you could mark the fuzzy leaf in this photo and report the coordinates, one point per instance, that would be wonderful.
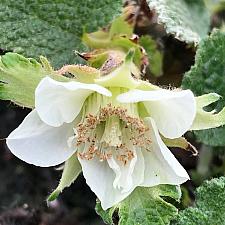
(209, 205)
(52, 28)
(188, 20)
(208, 75)
(19, 77)
(145, 206)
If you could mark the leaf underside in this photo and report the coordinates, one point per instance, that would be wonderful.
(187, 20)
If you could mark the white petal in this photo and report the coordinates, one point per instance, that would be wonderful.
(130, 175)
(173, 111)
(100, 177)
(60, 102)
(161, 167)
(37, 143)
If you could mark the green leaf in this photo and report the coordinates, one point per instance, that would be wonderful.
(71, 171)
(188, 20)
(52, 28)
(145, 206)
(208, 75)
(19, 77)
(209, 205)
(155, 57)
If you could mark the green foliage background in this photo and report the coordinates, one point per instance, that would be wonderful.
(52, 28)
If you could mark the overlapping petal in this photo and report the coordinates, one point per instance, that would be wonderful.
(130, 175)
(40, 144)
(161, 167)
(104, 178)
(173, 111)
(60, 102)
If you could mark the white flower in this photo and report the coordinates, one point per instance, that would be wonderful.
(113, 133)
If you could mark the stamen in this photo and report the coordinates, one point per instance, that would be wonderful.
(111, 132)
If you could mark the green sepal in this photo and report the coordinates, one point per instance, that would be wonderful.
(144, 206)
(118, 37)
(204, 119)
(71, 171)
(46, 64)
(120, 27)
(106, 215)
(95, 58)
(53, 196)
(155, 57)
(82, 73)
(180, 142)
(121, 76)
(96, 40)
(19, 77)
(103, 38)
(126, 44)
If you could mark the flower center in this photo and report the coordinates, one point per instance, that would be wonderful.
(109, 128)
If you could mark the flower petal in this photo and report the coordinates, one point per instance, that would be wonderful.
(173, 111)
(100, 177)
(60, 102)
(130, 175)
(37, 143)
(161, 167)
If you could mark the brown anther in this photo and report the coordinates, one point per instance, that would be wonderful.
(86, 135)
